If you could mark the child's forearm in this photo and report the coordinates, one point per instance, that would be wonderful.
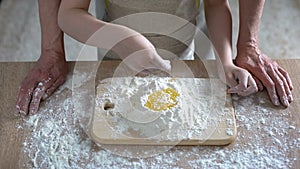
(140, 54)
(219, 24)
(75, 20)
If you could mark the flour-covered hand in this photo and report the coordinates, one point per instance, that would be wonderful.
(43, 79)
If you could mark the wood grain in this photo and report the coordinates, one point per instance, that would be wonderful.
(11, 138)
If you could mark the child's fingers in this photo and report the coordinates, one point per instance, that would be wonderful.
(231, 81)
(246, 86)
(241, 84)
(252, 87)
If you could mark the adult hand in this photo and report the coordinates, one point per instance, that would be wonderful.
(266, 72)
(43, 79)
(239, 80)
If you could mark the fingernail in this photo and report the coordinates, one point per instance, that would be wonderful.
(292, 87)
(286, 102)
(290, 97)
(276, 102)
(23, 113)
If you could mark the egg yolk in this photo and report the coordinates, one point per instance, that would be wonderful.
(162, 100)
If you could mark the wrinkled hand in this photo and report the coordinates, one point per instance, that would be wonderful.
(266, 72)
(239, 80)
(43, 79)
(139, 54)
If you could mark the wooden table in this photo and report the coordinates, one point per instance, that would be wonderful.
(11, 138)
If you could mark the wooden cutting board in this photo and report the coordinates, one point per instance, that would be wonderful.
(109, 127)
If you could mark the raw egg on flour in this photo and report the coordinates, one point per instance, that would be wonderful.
(162, 100)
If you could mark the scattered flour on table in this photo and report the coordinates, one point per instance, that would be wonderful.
(55, 140)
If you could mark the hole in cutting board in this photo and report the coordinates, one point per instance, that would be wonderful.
(108, 106)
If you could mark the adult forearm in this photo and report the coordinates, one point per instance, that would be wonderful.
(266, 72)
(52, 36)
(50, 70)
(219, 22)
(250, 15)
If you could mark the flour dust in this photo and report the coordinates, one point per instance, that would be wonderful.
(56, 140)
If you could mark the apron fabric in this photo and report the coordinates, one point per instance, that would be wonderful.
(117, 11)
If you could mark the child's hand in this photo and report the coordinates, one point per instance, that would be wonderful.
(239, 80)
(139, 54)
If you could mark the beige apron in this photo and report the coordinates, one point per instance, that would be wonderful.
(172, 17)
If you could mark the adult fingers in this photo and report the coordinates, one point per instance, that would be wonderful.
(263, 76)
(287, 77)
(24, 97)
(258, 83)
(54, 86)
(286, 86)
(38, 92)
(279, 86)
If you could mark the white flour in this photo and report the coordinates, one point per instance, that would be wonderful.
(190, 117)
(55, 140)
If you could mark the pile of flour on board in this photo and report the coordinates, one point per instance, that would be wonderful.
(55, 140)
(182, 108)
